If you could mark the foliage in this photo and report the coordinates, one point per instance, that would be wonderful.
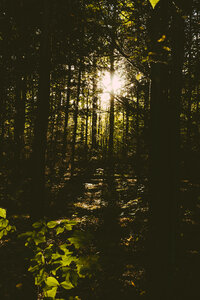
(154, 2)
(58, 261)
(5, 226)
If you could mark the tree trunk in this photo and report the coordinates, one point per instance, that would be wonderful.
(76, 119)
(41, 124)
(111, 116)
(19, 123)
(67, 110)
(165, 99)
(160, 246)
(189, 92)
(86, 126)
(94, 108)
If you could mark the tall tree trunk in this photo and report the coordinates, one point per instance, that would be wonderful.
(19, 123)
(111, 116)
(126, 144)
(2, 112)
(76, 119)
(58, 97)
(137, 132)
(86, 125)
(189, 92)
(67, 109)
(94, 107)
(160, 245)
(164, 181)
(41, 124)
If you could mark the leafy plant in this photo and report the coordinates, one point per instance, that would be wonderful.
(5, 226)
(56, 265)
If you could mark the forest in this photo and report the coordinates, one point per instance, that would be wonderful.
(99, 149)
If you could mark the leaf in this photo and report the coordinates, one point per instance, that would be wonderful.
(162, 38)
(66, 260)
(133, 283)
(68, 226)
(51, 293)
(67, 285)
(154, 2)
(2, 213)
(52, 224)
(80, 239)
(59, 230)
(40, 277)
(3, 223)
(2, 233)
(166, 48)
(51, 281)
(25, 234)
(39, 239)
(33, 269)
(74, 277)
(37, 224)
(138, 76)
(8, 228)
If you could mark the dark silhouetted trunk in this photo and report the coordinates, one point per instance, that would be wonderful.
(2, 112)
(67, 109)
(76, 119)
(41, 124)
(19, 123)
(94, 107)
(164, 180)
(137, 131)
(86, 125)
(189, 92)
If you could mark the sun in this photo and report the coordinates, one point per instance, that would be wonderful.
(110, 85)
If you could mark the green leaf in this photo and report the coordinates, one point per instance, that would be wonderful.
(2, 213)
(37, 224)
(74, 277)
(68, 226)
(51, 281)
(52, 224)
(56, 256)
(40, 277)
(33, 269)
(3, 223)
(39, 239)
(66, 260)
(59, 230)
(8, 228)
(67, 285)
(3, 232)
(154, 2)
(51, 293)
(80, 239)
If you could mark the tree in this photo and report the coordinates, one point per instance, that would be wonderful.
(41, 124)
(166, 71)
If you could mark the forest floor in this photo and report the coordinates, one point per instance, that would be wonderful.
(113, 207)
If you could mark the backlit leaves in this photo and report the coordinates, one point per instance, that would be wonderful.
(154, 2)
(51, 281)
(2, 213)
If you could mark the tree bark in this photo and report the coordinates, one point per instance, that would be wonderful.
(94, 108)
(67, 109)
(164, 180)
(76, 119)
(38, 204)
